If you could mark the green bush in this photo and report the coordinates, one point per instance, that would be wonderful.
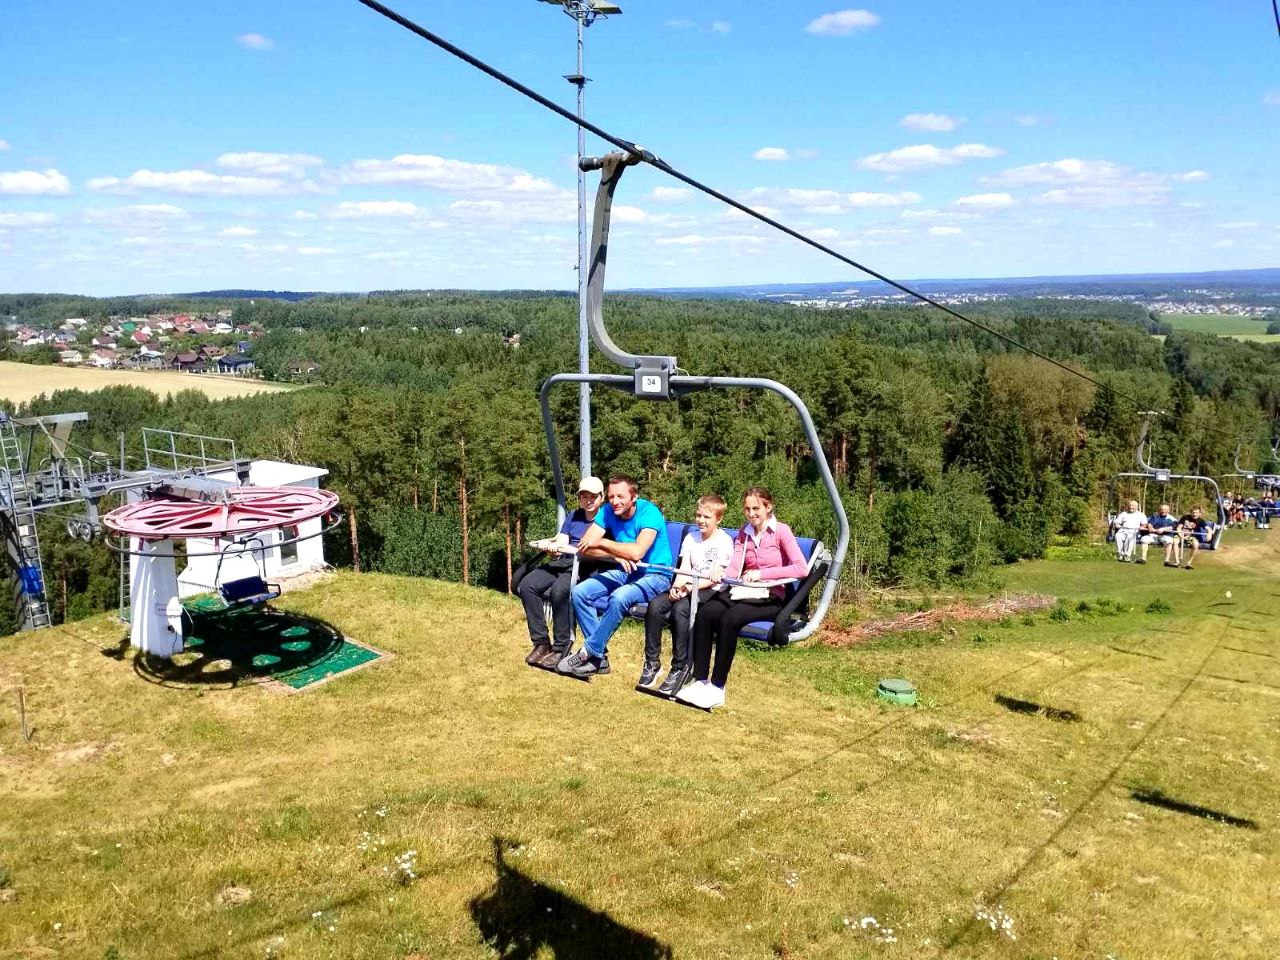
(940, 536)
(1159, 606)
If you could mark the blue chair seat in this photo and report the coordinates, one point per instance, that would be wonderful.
(248, 592)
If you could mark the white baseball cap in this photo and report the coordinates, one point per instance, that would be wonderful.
(591, 485)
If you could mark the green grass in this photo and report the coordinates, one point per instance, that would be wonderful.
(1223, 325)
(139, 814)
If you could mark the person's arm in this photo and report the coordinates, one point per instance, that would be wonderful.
(736, 560)
(793, 566)
(589, 545)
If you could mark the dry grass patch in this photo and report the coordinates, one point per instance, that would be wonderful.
(23, 382)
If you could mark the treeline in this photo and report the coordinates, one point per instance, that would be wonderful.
(953, 450)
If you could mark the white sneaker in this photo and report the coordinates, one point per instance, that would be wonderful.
(692, 693)
(712, 696)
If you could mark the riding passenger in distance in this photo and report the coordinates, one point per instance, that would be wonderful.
(1162, 529)
(1236, 515)
(765, 550)
(550, 581)
(631, 532)
(704, 553)
(1127, 525)
(1191, 527)
(1266, 510)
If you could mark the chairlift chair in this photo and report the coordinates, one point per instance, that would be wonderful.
(1158, 475)
(658, 378)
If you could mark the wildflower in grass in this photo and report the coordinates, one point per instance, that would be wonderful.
(997, 919)
(405, 870)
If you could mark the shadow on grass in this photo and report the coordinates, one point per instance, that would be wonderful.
(232, 648)
(1030, 706)
(520, 916)
(1157, 798)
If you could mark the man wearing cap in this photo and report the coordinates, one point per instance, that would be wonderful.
(549, 582)
(633, 533)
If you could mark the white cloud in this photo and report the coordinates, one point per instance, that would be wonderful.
(924, 155)
(986, 201)
(305, 215)
(721, 26)
(900, 199)
(26, 219)
(450, 176)
(149, 213)
(1224, 244)
(315, 251)
(50, 183)
(5, 145)
(1240, 225)
(699, 240)
(938, 216)
(945, 231)
(374, 209)
(270, 164)
(771, 153)
(807, 153)
(239, 232)
(255, 41)
(1271, 98)
(842, 23)
(1192, 176)
(680, 23)
(824, 233)
(1086, 183)
(935, 122)
(671, 194)
(625, 214)
(197, 183)
(1028, 120)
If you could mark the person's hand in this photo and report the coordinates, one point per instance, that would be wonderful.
(716, 577)
(751, 576)
(628, 566)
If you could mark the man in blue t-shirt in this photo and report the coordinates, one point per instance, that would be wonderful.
(630, 531)
(1161, 528)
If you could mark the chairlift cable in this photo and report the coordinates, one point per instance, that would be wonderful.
(650, 158)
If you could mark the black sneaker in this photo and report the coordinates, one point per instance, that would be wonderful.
(649, 673)
(676, 680)
(583, 665)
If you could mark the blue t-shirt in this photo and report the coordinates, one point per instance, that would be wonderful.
(645, 517)
(576, 524)
(1158, 522)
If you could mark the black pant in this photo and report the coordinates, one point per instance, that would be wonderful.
(719, 621)
(662, 608)
(538, 586)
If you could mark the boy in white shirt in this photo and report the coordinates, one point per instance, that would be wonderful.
(705, 552)
(1127, 525)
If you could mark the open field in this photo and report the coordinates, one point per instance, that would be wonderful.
(20, 382)
(553, 818)
(1222, 324)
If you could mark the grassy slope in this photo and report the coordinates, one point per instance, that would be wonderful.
(750, 833)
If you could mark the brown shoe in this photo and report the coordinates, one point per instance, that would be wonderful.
(537, 653)
(550, 661)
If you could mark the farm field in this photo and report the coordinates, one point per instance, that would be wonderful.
(1222, 324)
(1095, 782)
(20, 382)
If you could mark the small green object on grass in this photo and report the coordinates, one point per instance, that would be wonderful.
(901, 692)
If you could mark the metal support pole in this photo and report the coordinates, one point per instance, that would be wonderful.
(584, 343)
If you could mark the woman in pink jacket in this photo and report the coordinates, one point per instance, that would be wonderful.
(764, 552)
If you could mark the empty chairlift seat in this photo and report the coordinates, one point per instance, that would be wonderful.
(248, 592)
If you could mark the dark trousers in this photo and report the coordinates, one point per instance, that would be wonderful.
(719, 621)
(538, 586)
(661, 609)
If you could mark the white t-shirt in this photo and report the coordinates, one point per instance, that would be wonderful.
(1130, 520)
(704, 557)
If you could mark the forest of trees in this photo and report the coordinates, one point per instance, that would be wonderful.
(953, 450)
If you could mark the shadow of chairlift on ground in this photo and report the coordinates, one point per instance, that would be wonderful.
(520, 916)
(232, 648)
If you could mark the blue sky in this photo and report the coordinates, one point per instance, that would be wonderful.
(159, 147)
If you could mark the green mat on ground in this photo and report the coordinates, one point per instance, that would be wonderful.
(231, 646)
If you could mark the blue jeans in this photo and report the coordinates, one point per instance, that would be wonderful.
(623, 589)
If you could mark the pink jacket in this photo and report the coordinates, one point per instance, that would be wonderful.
(777, 558)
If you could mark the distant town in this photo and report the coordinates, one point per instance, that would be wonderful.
(1209, 303)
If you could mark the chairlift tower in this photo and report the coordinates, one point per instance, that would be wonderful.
(584, 13)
